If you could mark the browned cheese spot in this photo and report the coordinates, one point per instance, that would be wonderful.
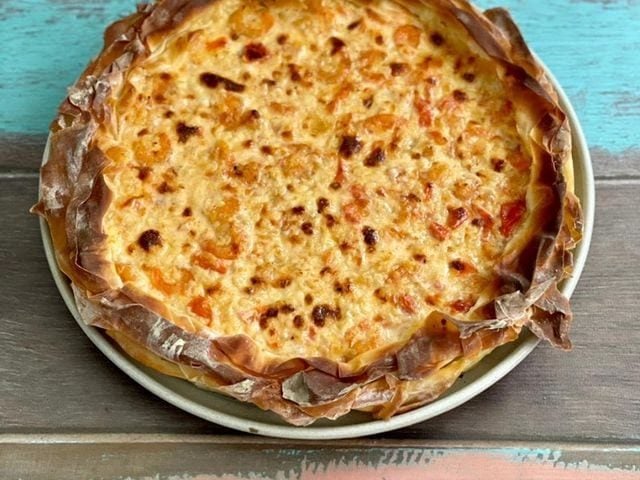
(322, 204)
(420, 258)
(436, 38)
(330, 219)
(370, 236)
(298, 321)
(322, 312)
(457, 265)
(283, 282)
(299, 210)
(211, 80)
(164, 187)
(336, 45)
(149, 238)
(398, 69)
(380, 295)
(461, 266)
(375, 158)
(307, 228)
(269, 313)
(287, 309)
(349, 146)
(459, 96)
(498, 164)
(255, 51)
(143, 173)
(294, 72)
(342, 287)
(185, 131)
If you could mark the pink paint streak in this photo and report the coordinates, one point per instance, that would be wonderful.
(471, 465)
(442, 465)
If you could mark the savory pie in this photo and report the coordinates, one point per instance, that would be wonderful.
(315, 206)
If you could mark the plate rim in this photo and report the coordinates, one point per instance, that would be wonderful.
(582, 161)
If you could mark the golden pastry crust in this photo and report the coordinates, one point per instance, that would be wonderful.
(314, 206)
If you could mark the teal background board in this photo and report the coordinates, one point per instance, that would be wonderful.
(592, 47)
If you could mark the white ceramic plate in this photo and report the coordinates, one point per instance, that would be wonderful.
(248, 418)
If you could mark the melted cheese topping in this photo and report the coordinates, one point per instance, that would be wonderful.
(320, 176)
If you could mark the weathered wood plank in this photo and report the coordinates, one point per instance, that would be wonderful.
(21, 152)
(620, 165)
(587, 44)
(53, 380)
(46, 45)
(205, 458)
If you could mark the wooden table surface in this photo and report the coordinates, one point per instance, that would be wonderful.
(67, 412)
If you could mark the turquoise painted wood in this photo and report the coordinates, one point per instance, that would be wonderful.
(592, 46)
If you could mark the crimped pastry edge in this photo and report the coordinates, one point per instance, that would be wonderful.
(74, 199)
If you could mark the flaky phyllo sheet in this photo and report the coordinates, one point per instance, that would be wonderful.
(314, 206)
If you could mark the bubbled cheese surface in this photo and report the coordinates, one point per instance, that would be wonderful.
(320, 176)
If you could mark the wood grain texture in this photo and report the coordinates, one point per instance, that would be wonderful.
(53, 380)
(21, 152)
(203, 458)
(589, 45)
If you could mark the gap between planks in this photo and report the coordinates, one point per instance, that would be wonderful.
(267, 442)
(14, 174)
